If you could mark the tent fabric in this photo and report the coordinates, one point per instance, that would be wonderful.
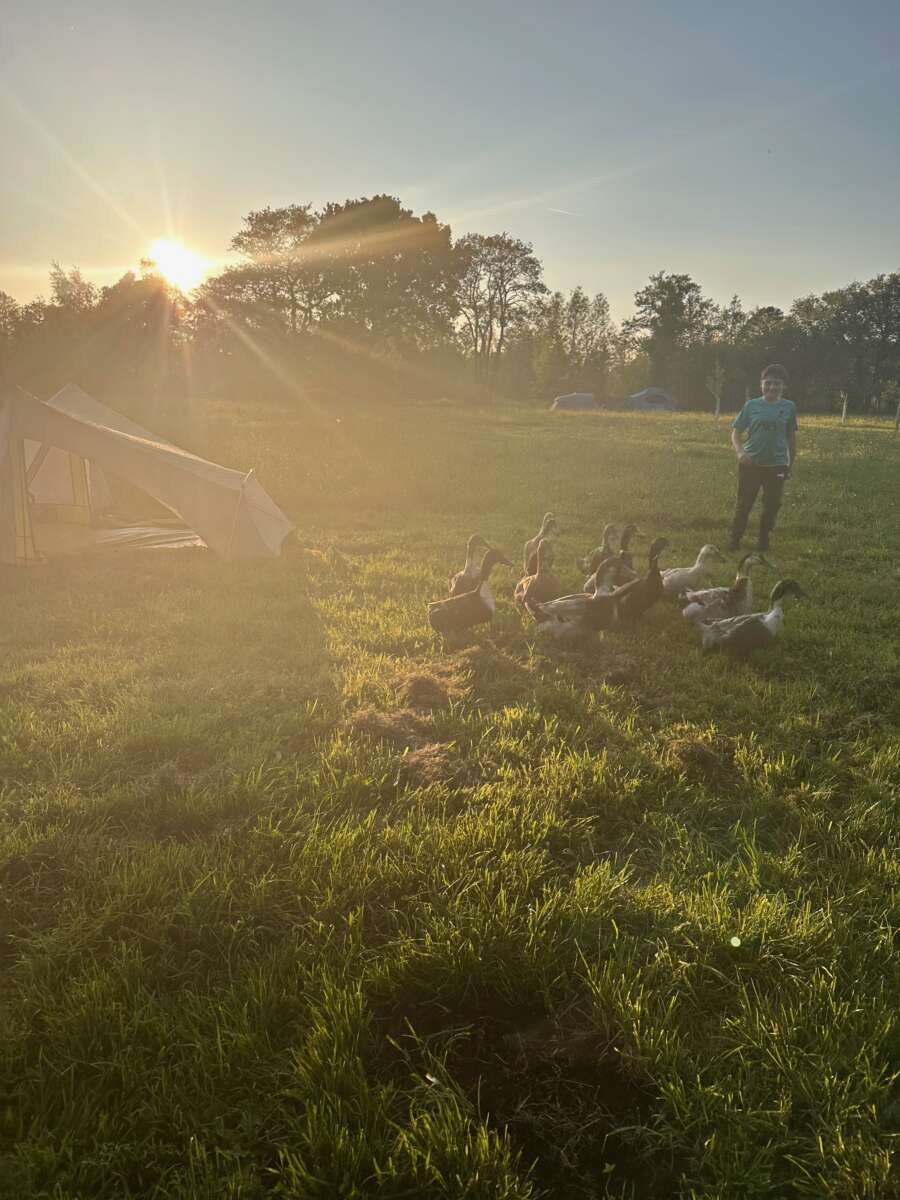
(653, 399)
(575, 401)
(229, 510)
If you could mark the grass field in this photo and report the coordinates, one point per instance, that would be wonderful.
(294, 901)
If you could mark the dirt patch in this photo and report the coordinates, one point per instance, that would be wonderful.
(706, 759)
(430, 690)
(401, 728)
(435, 763)
(562, 1087)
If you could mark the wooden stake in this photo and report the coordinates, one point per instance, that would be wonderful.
(844, 409)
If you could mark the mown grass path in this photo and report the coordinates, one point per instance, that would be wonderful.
(295, 901)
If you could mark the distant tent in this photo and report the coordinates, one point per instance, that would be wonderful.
(56, 462)
(575, 402)
(653, 399)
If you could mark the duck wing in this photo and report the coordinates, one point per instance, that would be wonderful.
(741, 634)
(458, 612)
(714, 595)
(542, 588)
(462, 582)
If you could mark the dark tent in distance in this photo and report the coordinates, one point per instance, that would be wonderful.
(576, 402)
(653, 399)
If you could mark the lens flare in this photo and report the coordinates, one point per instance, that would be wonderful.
(177, 264)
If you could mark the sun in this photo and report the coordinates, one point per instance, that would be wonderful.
(177, 264)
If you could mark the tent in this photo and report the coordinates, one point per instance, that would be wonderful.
(653, 399)
(575, 402)
(57, 459)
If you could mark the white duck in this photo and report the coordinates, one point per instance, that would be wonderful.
(754, 631)
(718, 603)
(681, 579)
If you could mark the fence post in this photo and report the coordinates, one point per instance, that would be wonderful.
(844, 408)
(897, 420)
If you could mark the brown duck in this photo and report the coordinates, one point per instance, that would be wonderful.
(543, 585)
(465, 580)
(474, 607)
(633, 599)
(549, 526)
(599, 554)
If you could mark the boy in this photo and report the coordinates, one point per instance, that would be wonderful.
(766, 457)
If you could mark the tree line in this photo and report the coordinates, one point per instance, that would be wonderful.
(366, 297)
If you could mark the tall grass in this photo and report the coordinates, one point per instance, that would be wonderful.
(297, 901)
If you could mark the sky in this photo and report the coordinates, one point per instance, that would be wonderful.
(754, 147)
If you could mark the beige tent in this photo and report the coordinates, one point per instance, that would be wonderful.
(55, 457)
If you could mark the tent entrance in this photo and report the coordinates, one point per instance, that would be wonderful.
(74, 506)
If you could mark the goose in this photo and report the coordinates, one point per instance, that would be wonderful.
(549, 526)
(680, 579)
(633, 599)
(753, 631)
(465, 580)
(469, 608)
(715, 604)
(595, 557)
(543, 585)
(573, 618)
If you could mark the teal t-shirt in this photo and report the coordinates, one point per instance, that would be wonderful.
(769, 426)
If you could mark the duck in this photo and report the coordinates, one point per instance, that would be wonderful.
(474, 607)
(543, 585)
(573, 618)
(610, 574)
(718, 603)
(753, 631)
(680, 579)
(634, 598)
(626, 571)
(465, 580)
(549, 526)
(595, 557)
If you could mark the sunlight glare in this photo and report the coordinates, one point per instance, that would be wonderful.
(177, 264)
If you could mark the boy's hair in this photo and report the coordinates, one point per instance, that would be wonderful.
(775, 371)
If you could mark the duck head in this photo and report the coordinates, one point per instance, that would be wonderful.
(491, 558)
(609, 532)
(549, 525)
(656, 548)
(709, 551)
(475, 543)
(627, 534)
(785, 587)
(749, 561)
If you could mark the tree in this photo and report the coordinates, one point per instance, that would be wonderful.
(279, 282)
(672, 314)
(393, 275)
(9, 319)
(500, 283)
(70, 291)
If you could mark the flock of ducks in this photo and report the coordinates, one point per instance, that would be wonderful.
(613, 593)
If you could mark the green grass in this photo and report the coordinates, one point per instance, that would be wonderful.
(297, 902)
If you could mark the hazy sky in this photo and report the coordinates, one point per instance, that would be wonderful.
(755, 147)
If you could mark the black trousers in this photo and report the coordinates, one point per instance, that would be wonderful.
(750, 479)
